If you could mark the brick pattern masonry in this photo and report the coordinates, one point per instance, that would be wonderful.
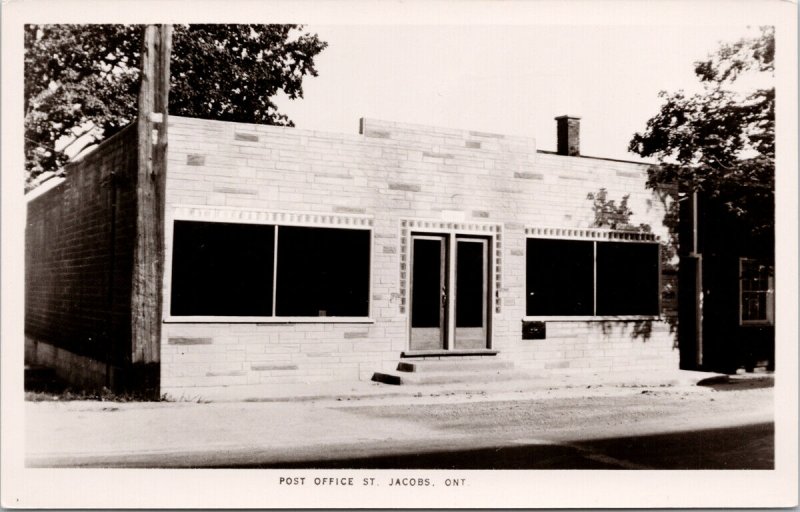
(392, 179)
(78, 262)
(390, 173)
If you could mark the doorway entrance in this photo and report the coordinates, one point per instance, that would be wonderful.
(449, 292)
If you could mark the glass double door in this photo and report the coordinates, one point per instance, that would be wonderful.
(449, 292)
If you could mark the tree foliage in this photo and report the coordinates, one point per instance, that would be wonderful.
(82, 81)
(610, 215)
(721, 141)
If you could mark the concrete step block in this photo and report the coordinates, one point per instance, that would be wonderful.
(449, 377)
(453, 365)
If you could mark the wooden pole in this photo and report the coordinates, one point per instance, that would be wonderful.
(148, 264)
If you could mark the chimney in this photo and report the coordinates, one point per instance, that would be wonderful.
(568, 131)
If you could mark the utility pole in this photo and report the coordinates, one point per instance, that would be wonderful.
(148, 259)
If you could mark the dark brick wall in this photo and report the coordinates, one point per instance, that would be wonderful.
(78, 262)
(722, 240)
(568, 135)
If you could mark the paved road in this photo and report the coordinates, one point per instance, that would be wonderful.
(613, 427)
(741, 447)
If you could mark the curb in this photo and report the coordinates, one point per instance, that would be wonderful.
(531, 385)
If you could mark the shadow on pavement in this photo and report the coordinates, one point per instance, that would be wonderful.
(737, 383)
(744, 447)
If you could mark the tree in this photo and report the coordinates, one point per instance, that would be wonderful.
(82, 81)
(609, 215)
(721, 141)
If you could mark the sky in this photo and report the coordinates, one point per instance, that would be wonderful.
(504, 79)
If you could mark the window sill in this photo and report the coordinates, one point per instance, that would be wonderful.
(268, 320)
(589, 318)
(449, 352)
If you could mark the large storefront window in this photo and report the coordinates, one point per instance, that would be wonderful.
(560, 277)
(250, 270)
(322, 272)
(221, 269)
(591, 278)
(627, 278)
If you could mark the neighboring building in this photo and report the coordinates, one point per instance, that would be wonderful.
(296, 256)
(727, 290)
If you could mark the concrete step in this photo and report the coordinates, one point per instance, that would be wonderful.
(421, 378)
(454, 365)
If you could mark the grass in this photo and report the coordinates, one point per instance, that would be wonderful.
(102, 395)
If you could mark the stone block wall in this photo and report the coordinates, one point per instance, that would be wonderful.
(391, 173)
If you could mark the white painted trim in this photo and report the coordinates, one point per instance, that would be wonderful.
(450, 286)
(484, 242)
(444, 325)
(275, 270)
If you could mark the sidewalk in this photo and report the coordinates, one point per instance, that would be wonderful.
(318, 422)
(359, 390)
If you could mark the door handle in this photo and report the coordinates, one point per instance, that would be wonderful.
(444, 297)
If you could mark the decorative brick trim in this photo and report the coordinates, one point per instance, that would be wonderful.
(272, 367)
(378, 134)
(406, 187)
(592, 234)
(529, 175)
(256, 216)
(195, 160)
(234, 190)
(487, 135)
(188, 341)
(430, 154)
(466, 228)
(447, 226)
(498, 269)
(249, 137)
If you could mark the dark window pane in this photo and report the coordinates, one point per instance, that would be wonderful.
(627, 278)
(221, 269)
(756, 290)
(470, 292)
(427, 282)
(322, 272)
(560, 277)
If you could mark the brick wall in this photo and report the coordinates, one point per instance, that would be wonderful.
(391, 173)
(78, 263)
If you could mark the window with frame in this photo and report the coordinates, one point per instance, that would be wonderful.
(756, 292)
(224, 269)
(585, 278)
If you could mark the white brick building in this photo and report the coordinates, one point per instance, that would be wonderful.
(297, 256)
